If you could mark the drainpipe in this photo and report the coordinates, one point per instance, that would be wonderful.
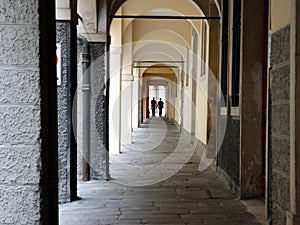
(86, 62)
(106, 138)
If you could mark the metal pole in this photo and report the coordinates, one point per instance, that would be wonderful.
(153, 17)
(86, 62)
(106, 138)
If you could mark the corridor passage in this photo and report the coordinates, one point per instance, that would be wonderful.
(143, 190)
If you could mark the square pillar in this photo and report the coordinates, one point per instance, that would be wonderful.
(126, 110)
(135, 100)
(98, 115)
(293, 215)
(66, 38)
(115, 102)
(252, 70)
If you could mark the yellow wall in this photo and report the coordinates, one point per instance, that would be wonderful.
(177, 33)
(177, 30)
(185, 7)
(202, 92)
(201, 111)
(116, 33)
(280, 14)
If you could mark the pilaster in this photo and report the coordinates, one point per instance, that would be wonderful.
(126, 108)
(66, 88)
(293, 215)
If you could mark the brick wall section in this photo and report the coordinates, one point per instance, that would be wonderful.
(279, 130)
(20, 113)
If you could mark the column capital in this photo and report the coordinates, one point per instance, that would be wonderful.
(127, 77)
(66, 14)
(136, 77)
(95, 37)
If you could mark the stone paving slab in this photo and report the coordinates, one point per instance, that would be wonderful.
(188, 197)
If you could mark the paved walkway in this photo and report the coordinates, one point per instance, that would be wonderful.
(157, 193)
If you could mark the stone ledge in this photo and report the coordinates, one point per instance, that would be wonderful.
(127, 77)
(95, 37)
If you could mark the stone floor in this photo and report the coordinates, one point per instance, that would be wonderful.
(156, 180)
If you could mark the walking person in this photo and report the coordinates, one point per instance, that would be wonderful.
(160, 106)
(153, 106)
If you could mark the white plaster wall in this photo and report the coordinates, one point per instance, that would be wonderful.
(87, 9)
(115, 103)
(135, 99)
(126, 109)
(201, 111)
(187, 108)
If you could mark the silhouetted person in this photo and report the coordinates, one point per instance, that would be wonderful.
(160, 106)
(153, 106)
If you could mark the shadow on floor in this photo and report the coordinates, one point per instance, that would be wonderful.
(151, 187)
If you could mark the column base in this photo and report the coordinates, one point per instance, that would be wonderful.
(292, 219)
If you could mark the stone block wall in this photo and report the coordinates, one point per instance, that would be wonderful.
(279, 127)
(20, 111)
(23, 175)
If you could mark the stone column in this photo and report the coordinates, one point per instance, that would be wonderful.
(28, 125)
(252, 61)
(93, 27)
(135, 100)
(213, 89)
(98, 110)
(229, 154)
(126, 103)
(145, 102)
(293, 216)
(115, 102)
(66, 38)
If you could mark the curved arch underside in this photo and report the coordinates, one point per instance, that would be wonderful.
(204, 6)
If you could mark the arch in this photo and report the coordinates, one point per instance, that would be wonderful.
(167, 72)
(203, 6)
(160, 74)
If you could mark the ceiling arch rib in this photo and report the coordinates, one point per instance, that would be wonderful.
(138, 7)
(200, 5)
(159, 70)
